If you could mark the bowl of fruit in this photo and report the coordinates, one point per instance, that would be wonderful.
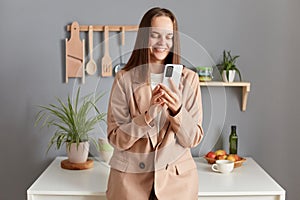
(220, 154)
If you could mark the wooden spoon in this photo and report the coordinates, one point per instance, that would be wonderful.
(91, 66)
(106, 60)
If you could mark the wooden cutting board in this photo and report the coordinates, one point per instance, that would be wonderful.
(75, 54)
(66, 164)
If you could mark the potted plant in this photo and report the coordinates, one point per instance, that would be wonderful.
(228, 67)
(73, 123)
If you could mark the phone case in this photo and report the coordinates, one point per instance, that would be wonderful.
(172, 71)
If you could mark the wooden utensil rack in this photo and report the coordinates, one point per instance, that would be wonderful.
(111, 27)
(75, 63)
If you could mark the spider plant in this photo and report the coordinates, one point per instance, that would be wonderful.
(73, 121)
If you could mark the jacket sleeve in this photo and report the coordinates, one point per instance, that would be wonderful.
(123, 130)
(187, 123)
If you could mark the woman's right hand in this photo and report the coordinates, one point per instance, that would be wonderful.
(156, 104)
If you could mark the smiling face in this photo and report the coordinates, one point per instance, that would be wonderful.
(157, 42)
(160, 39)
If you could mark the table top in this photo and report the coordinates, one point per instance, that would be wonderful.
(249, 179)
(59, 181)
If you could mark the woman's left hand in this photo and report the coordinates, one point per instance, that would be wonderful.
(172, 96)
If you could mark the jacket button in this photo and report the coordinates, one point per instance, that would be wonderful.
(142, 165)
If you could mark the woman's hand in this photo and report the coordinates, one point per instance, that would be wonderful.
(156, 104)
(172, 96)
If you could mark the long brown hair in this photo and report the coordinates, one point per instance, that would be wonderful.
(141, 53)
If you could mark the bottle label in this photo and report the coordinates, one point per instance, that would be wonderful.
(233, 145)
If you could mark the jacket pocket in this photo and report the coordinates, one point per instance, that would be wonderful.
(118, 161)
(185, 166)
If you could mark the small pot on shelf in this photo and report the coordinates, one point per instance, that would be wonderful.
(228, 67)
(231, 76)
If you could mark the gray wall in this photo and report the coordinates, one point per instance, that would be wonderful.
(264, 32)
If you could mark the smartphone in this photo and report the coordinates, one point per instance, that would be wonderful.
(172, 71)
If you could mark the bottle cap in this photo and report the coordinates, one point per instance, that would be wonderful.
(233, 127)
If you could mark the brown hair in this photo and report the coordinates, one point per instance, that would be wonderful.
(141, 53)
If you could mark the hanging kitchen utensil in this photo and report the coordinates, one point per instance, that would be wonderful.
(123, 35)
(91, 66)
(75, 54)
(106, 60)
(120, 65)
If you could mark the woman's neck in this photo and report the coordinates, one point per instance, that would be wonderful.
(156, 68)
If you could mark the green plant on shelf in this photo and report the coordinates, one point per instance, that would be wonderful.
(229, 63)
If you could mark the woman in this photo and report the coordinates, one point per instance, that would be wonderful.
(152, 127)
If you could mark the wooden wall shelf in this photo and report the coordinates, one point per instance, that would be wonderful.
(111, 27)
(244, 85)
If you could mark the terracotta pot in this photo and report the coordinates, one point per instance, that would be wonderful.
(231, 76)
(78, 154)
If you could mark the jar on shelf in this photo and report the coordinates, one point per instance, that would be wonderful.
(205, 73)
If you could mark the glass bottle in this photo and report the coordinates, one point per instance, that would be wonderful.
(233, 141)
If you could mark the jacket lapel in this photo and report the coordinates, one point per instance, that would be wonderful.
(141, 87)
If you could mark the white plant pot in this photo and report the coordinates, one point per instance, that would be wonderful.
(78, 154)
(231, 76)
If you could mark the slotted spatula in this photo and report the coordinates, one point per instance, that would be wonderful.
(106, 60)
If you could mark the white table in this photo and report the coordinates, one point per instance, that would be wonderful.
(245, 183)
(248, 182)
(56, 183)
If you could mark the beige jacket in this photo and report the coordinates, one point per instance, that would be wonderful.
(152, 156)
